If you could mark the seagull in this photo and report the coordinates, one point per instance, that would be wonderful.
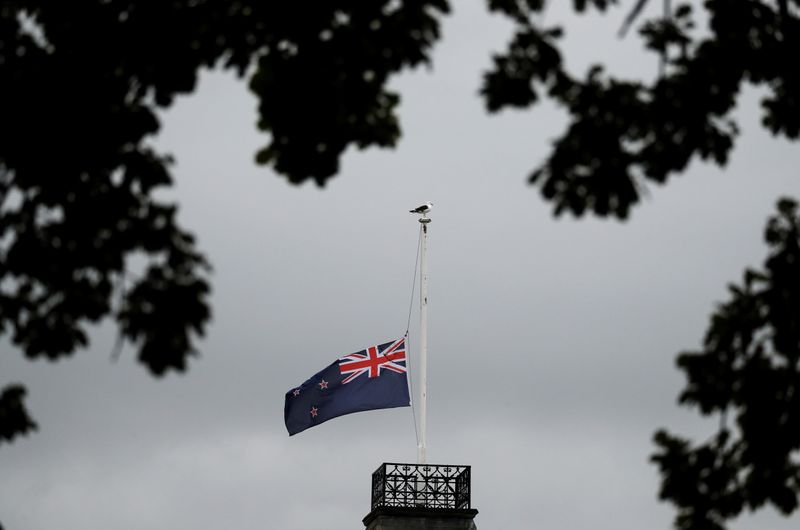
(425, 208)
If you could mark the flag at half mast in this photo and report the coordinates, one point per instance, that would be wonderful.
(373, 378)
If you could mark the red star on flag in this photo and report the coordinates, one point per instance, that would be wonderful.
(314, 412)
(323, 385)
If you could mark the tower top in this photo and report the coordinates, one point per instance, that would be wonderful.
(421, 496)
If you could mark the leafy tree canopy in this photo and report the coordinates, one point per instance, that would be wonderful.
(82, 82)
(81, 86)
(749, 369)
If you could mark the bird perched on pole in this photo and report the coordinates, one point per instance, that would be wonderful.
(425, 208)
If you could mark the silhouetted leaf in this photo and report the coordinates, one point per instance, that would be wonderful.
(14, 418)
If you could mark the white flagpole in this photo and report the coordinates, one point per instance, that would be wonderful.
(423, 342)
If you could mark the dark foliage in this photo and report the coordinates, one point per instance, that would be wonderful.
(81, 83)
(623, 134)
(14, 419)
(749, 369)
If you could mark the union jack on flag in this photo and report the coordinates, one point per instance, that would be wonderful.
(390, 356)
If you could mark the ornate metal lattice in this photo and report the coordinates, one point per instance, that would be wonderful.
(421, 486)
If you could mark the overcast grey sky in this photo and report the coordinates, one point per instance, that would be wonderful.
(552, 342)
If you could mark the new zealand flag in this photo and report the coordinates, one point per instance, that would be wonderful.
(374, 378)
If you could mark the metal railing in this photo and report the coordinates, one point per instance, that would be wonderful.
(421, 486)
